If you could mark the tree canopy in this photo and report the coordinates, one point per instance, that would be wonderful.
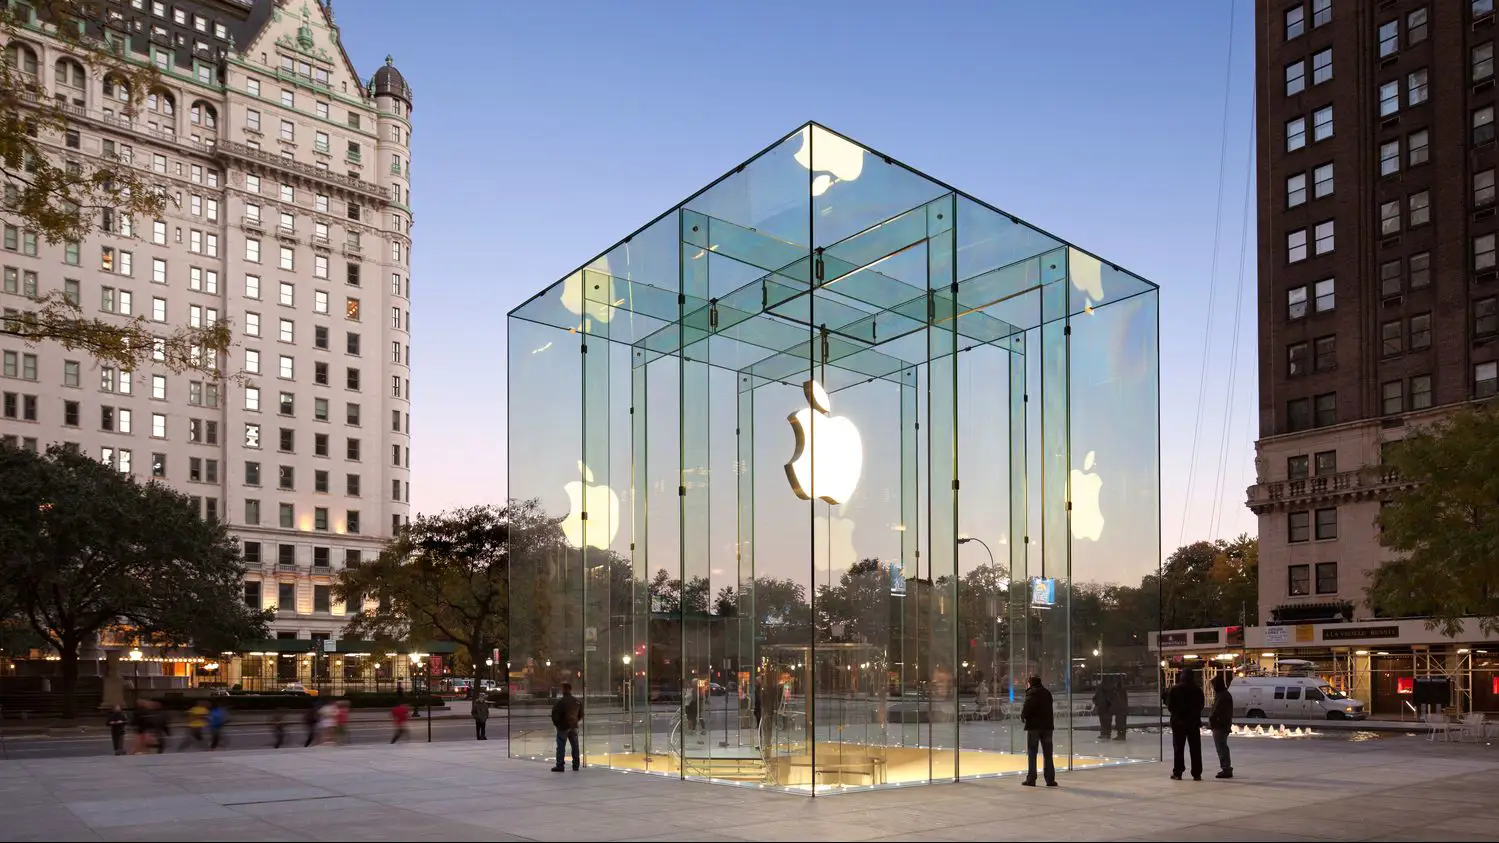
(84, 547)
(1443, 520)
(61, 199)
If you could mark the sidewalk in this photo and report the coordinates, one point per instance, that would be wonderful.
(93, 722)
(1394, 789)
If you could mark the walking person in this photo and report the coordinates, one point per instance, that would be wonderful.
(567, 713)
(197, 719)
(1119, 705)
(310, 720)
(341, 722)
(116, 723)
(278, 729)
(1037, 719)
(479, 710)
(1221, 722)
(1103, 706)
(1185, 701)
(327, 723)
(218, 718)
(399, 715)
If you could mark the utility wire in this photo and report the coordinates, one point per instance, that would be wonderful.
(1233, 349)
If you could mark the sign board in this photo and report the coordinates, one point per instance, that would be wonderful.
(1209, 636)
(1234, 636)
(1173, 639)
(1350, 633)
(1043, 592)
(1277, 635)
(330, 646)
(1304, 633)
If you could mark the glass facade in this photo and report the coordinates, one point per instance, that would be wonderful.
(840, 456)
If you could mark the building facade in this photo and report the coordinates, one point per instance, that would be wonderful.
(289, 217)
(1378, 289)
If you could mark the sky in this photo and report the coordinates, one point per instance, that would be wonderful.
(545, 132)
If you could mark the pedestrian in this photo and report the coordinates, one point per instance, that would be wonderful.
(309, 719)
(1184, 701)
(479, 710)
(399, 714)
(400, 690)
(218, 718)
(1221, 722)
(197, 719)
(981, 698)
(1119, 705)
(116, 723)
(161, 726)
(327, 723)
(567, 713)
(1103, 706)
(341, 721)
(278, 729)
(1036, 716)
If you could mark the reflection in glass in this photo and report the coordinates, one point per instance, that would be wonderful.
(967, 496)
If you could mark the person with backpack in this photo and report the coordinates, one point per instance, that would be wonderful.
(567, 713)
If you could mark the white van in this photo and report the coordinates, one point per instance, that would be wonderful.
(1292, 698)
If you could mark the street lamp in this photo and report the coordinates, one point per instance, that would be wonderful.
(416, 659)
(135, 658)
(993, 633)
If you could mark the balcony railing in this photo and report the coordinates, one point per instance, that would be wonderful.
(244, 153)
(252, 222)
(1357, 481)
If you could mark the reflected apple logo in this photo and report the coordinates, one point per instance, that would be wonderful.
(1087, 517)
(832, 158)
(828, 452)
(602, 506)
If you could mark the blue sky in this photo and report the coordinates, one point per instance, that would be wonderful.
(544, 132)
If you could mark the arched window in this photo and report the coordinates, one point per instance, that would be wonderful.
(202, 114)
(68, 72)
(116, 88)
(21, 57)
(161, 102)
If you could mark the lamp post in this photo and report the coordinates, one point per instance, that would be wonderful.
(135, 658)
(993, 631)
(416, 658)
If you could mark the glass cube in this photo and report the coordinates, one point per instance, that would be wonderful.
(839, 457)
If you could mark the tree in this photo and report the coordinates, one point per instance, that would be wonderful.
(84, 547)
(64, 200)
(447, 576)
(1443, 520)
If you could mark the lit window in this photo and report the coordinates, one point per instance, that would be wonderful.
(1295, 22)
(1485, 379)
(1322, 124)
(1322, 66)
(1324, 237)
(1295, 77)
(1416, 87)
(1389, 158)
(1389, 38)
(1415, 26)
(1296, 190)
(1389, 218)
(1483, 187)
(1389, 98)
(1321, 183)
(1419, 208)
(1295, 133)
(1324, 295)
(1483, 61)
(1295, 251)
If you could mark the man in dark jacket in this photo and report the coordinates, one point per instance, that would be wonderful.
(1221, 721)
(1036, 717)
(567, 713)
(1119, 704)
(1185, 702)
(1103, 706)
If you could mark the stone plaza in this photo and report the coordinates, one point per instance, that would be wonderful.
(1391, 788)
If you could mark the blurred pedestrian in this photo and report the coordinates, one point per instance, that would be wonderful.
(327, 723)
(1119, 705)
(399, 715)
(1103, 705)
(1039, 721)
(479, 710)
(116, 723)
(341, 721)
(310, 720)
(218, 718)
(197, 720)
(278, 729)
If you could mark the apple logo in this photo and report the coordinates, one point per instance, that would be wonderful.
(1087, 518)
(832, 442)
(831, 157)
(1086, 274)
(590, 292)
(602, 506)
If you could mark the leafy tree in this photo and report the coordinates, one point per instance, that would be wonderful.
(63, 201)
(446, 576)
(1443, 520)
(84, 547)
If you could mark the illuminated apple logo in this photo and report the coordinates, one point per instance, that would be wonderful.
(1087, 517)
(832, 158)
(829, 455)
(602, 506)
(1086, 274)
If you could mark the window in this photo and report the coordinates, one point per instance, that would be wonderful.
(1297, 467)
(1327, 463)
(70, 413)
(1299, 526)
(1389, 218)
(1321, 66)
(1321, 12)
(1296, 358)
(320, 337)
(286, 592)
(70, 373)
(351, 521)
(1420, 269)
(1323, 234)
(1482, 7)
(322, 109)
(1389, 158)
(1392, 396)
(320, 444)
(352, 277)
(1325, 294)
(1325, 353)
(1327, 574)
(286, 368)
(252, 254)
(1483, 252)
(1483, 125)
(1327, 524)
(1420, 331)
(252, 435)
(287, 331)
(1417, 87)
(320, 597)
(395, 420)
(288, 440)
(320, 373)
(1418, 147)
(1389, 38)
(288, 258)
(1325, 409)
(1420, 392)
(1483, 61)
(287, 404)
(288, 294)
(1390, 278)
(351, 485)
(351, 343)
(252, 398)
(1295, 251)
(1298, 584)
(1295, 77)
(286, 477)
(351, 379)
(252, 474)
(351, 450)
(1486, 317)
(1389, 98)
(1296, 303)
(351, 309)
(159, 387)
(1295, 22)
(1296, 190)
(1296, 133)
(1322, 124)
(1485, 379)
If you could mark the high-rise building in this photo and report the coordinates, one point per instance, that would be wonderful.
(289, 181)
(1378, 283)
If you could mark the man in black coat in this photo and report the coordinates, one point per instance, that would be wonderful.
(1036, 717)
(1185, 701)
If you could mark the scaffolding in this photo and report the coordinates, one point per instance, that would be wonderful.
(1456, 667)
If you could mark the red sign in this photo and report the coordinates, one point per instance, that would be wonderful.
(1407, 684)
